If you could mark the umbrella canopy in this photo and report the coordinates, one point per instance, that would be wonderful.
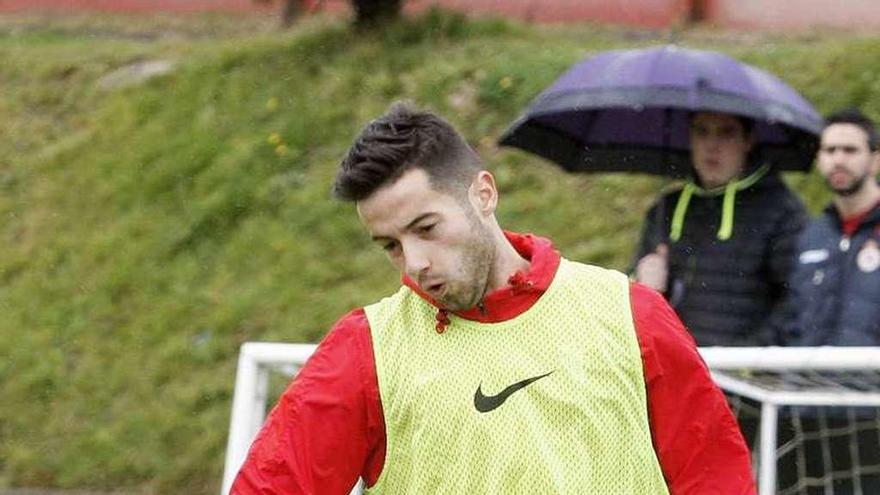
(629, 111)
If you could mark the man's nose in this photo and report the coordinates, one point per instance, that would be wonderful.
(840, 154)
(415, 258)
(837, 157)
(714, 141)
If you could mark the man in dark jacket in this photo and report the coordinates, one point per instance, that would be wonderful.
(835, 298)
(720, 249)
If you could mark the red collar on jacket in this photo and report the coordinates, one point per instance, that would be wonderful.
(851, 224)
(522, 291)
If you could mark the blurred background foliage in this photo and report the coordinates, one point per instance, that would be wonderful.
(148, 230)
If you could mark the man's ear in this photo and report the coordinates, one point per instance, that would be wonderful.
(484, 193)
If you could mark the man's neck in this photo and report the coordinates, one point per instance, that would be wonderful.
(860, 202)
(507, 262)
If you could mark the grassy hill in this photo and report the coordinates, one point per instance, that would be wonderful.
(148, 230)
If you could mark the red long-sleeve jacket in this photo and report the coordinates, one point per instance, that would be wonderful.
(328, 429)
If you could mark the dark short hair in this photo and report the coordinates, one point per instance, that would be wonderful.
(402, 139)
(855, 117)
(747, 124)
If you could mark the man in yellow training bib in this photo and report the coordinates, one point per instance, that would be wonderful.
(499, 367)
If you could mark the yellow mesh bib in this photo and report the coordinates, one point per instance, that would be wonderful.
(550, 402)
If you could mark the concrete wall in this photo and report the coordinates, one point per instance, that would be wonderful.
(134, 5)
(646, 13)
(774, 15)
(782, 15)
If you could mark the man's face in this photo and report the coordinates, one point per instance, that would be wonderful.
(442, 243)
(845, 160)
(719, 146)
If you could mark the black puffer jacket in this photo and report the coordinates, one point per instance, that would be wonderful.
(729, 292)
(835, 286)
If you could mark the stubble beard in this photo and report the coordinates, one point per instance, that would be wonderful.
(476, 266)
(854, 187)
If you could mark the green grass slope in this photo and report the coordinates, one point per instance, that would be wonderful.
(148, 231)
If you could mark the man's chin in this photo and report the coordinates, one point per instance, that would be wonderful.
(846, 190)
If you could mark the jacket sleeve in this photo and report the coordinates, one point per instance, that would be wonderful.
(697, 439)
(651, 234)
(781, 257)
(791, 333)
(327, 428)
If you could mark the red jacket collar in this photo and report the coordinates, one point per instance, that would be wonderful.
(851, 224)
(522, 291)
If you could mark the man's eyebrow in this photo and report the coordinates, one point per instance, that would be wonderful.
(423, 216)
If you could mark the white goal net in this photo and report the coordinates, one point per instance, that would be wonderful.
(810, 415)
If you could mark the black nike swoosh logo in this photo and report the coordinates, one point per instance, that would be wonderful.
(485, 403)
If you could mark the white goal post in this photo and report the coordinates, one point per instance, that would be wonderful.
(258, 359)
(255, 361)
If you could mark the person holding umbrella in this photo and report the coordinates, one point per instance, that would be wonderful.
(719, 249)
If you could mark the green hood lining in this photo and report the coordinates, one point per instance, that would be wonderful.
(725, 231)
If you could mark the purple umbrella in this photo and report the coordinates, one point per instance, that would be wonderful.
(628, 111)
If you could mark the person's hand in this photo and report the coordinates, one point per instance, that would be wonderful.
(652, 270)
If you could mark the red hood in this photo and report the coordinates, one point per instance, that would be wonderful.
(522, 291)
